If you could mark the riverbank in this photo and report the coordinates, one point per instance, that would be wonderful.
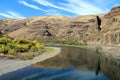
(57, 45)
(9, 65)
(112, 51)
(109, 50)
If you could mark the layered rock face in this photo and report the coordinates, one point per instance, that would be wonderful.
(111, 28)
(114, 12)
(104, 28)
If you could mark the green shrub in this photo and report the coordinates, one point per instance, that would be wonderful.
(4, 49)
(21, 41)
(12, 51)
(4, 40)
(14, 46)
(34, 48)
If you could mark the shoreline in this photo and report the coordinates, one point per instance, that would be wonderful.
(9, 65)
(112, 51)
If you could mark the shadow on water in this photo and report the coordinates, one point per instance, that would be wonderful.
(71, 64)
(98, 67)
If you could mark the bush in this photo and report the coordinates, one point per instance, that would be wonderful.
(14, 46)
(34, 48)
(21, 41)
(12, 51)
(4, 49)
(5, 40)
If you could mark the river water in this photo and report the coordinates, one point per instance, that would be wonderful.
(72, 63)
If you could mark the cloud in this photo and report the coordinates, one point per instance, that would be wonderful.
(81, 7)
(48, 4)
(77, 7)
(15, 15)
(45, 3)
(6, 15)
(31, 6)
(11, 14)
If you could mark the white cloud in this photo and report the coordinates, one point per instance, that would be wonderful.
(11, 14)
(31, 6)
(47, 3)
(78, 7)
(6, 15)
(15, 15)
(82, 8)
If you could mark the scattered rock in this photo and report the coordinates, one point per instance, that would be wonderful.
(69, 32)
(46, 33)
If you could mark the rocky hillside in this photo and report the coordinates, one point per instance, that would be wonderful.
(103, 28)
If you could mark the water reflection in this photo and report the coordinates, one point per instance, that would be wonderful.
(79, 58)
(98, 66)
(71, 64)
(110, 67)
(84, 59)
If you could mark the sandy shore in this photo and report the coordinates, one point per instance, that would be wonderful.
(9, 65)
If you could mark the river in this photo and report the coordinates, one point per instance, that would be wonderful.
(72, 63)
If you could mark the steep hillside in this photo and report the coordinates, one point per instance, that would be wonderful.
(111, 27)
(103, 28)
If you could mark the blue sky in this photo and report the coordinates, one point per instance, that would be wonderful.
(71, 8)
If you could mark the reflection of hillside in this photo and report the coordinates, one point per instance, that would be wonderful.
(84, 59)
(71, 57)
(110, 67)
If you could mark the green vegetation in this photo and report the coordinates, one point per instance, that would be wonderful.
(15, 47)
(64, 42)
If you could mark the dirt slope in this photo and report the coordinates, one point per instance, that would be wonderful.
(82, 28)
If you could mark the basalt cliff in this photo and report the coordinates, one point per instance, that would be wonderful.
(102, 28)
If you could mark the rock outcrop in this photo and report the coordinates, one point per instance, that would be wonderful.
(114, 12)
